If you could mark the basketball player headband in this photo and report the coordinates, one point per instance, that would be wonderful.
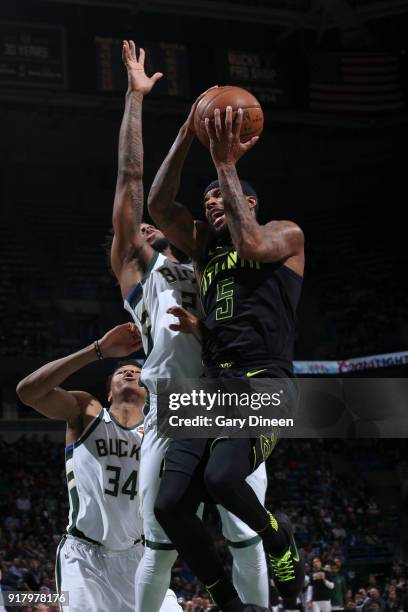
(246, 188)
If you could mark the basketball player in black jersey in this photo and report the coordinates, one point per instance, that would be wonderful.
(250, 281)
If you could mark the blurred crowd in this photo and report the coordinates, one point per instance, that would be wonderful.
(335, 520)
(372, 593)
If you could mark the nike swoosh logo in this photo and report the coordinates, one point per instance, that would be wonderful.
(296, 558)
(249, 374)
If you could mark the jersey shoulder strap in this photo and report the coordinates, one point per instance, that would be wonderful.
(135, 294)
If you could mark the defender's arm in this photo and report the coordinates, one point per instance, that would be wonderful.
(130, 253)
(41, 389)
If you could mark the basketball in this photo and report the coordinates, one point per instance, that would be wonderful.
(236, 97)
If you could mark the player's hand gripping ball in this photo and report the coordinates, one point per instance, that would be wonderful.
(236, 97)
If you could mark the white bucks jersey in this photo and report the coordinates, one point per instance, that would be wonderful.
(102, 469)
(169, 354)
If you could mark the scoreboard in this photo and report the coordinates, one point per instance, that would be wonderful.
(258, 71)
(32, 56)
(35, 56)
(169, 58)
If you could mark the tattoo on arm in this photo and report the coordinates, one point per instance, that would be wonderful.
(240, 219)
(130, 156)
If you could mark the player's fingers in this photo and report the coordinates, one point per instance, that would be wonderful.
(175, 327)
(177, 311)
(209, 126)
(251, 143)
(132, 50)
(156, 76)
(136, 333)
(236, 128)
(125, 48)
(228, 118)
(217, 123)
(142, 56)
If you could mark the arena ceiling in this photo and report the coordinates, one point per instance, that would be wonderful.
(291, 14)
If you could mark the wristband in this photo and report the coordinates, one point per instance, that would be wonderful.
(98, 349)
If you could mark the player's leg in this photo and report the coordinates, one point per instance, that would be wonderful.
(230, 462)
(175, 508)
(153, 579)
(121, 571)
(78, 572)
(154, 571)
(249, 570)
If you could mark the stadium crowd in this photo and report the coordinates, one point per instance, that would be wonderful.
(333, 520)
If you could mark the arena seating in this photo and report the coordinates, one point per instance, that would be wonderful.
(335, 516)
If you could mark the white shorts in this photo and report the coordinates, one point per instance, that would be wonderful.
(97, 580)
(236, 532)
(151, 458)
(322, 606)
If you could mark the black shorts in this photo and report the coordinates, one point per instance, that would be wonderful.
(190, 456)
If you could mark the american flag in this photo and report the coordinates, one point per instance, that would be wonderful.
(356, 83)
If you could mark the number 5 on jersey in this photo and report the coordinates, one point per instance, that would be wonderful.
(225, 299)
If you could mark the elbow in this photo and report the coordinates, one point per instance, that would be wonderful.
(23, 391)
(28, 391)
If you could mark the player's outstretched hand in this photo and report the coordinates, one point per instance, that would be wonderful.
(137, 78)
(121, 341)
(225, 144)
(190, 119)
(187, 322)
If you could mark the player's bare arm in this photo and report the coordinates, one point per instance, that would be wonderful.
(130, 253)
(171, 217)
(42, 391)
(276, 241)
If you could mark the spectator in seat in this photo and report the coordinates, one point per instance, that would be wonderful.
(339, 592)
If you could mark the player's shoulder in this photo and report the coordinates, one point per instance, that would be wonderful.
(283, 224)
(288, 229)
(89, 406)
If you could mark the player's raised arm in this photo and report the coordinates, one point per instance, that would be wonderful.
(170, 216)
(41, 390)
(130, 253)
(276, 241)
